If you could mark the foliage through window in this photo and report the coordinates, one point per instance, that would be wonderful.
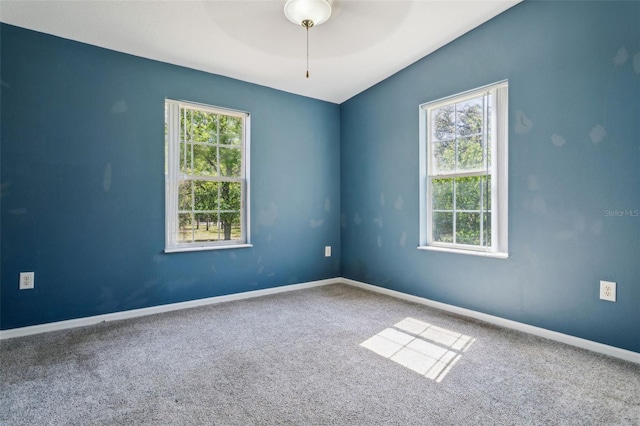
(206, 176)
(464, 171)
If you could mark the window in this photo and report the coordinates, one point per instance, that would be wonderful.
(463, 172)
(207, 170)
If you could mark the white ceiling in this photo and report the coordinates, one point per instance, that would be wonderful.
(363, 42)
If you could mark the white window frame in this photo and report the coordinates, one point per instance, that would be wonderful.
(173, 177)
(498, 171)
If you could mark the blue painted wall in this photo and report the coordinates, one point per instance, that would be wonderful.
(82, 173)
(574, 73)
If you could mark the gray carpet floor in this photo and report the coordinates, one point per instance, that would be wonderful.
(333, 355)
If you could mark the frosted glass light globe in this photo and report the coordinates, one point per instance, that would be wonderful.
(317, 11)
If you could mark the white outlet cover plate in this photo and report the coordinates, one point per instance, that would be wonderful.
(327, 251)
(26, 280)
(608, 291)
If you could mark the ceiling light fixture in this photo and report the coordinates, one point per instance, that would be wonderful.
(307, 13)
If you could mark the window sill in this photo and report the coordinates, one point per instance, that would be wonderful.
(494, 255)
(203, 248)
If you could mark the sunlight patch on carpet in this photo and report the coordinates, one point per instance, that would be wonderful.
(429, 350)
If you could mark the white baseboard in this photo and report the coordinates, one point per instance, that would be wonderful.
(537, 331)
(80, 322)
(530, 329)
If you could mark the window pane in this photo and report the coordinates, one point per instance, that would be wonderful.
(469, 117)
(468, 192)
(205, 160)
(442, 123)
(442, 198)
(231, 130)
(185, 229)
(185, 159)
(443, 227)
(486, 190)
(230, 225)
(487, 150)
(207, 227)
(230, 162)
(182, 126)
(230, 195)
(487, 229)
(186, 117)
(468, 228)
(185, 195)
(204, 126)
(206, 195)
(470, 154)
(212, 128)
(489, 130)
(444, 154)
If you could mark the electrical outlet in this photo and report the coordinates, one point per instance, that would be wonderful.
(26, 280)
(327, 251)
(608, 291)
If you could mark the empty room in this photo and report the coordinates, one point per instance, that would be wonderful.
(348, 212)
